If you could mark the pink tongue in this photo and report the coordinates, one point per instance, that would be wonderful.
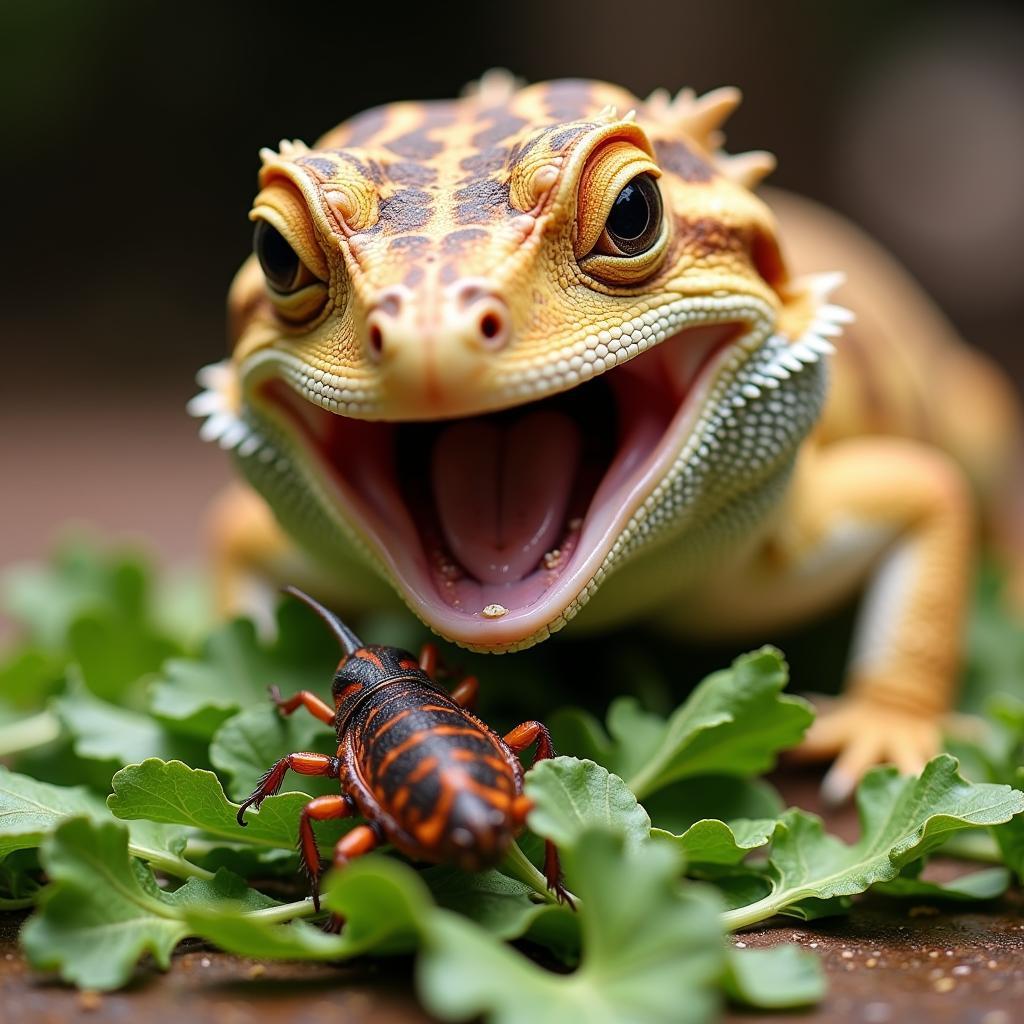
(501, 491)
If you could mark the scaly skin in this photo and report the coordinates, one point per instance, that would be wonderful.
(453, 260)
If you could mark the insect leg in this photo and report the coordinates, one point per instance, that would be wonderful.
(428, 659)
(361, 840)
(528, 733)
(465, 694)
(518, 740)
(309, 700)
(323, 808)
(304, 764)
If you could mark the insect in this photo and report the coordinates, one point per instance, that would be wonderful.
(413, 760)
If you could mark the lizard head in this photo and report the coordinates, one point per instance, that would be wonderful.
(506, 344)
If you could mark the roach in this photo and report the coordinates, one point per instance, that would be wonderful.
(424, 772)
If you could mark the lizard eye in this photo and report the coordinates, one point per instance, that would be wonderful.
(622, 233)
(282, 268)
(634, 224)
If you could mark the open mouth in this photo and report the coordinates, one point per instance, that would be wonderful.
(493, 524)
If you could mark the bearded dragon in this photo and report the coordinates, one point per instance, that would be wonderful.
(537, 356)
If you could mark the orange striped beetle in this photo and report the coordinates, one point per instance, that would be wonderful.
(424, 772)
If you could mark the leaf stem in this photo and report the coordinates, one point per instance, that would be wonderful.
(17, 903)
(173, 865)
(285, 912)
(761, 910)
(518, 866)
(27, 733)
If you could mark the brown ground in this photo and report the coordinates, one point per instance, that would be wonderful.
(139, 470)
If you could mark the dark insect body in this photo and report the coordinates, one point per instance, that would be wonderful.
(413, 760)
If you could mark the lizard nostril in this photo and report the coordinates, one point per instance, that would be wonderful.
(376, 339)
(490, 326)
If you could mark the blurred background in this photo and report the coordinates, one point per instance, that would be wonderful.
(131, 132)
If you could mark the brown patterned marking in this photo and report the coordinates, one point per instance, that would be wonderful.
(349, 691)
(482, 202)
(407, 210)
(565, 136)
(369, 169)
(409, 172)
(409, 247)
(705, 236)
(457, 243)
(365, 127)
(482, 165)
(325, 169)
(675, 156)
(417, 144)
(504, 125)
(569, 99)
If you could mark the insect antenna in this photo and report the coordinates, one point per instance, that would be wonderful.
(348, 640)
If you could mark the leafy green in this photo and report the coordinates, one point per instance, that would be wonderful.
(171, 792)
(248, 743)
(979, 885)
(715, 842)
(102, 731)
(651, 950)
(30, 810)
(103, 909)
(902, 819)
(734, 723)
(572, 796)
(197, 695)
(776, 978)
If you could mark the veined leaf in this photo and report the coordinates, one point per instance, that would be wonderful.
(902, 819)
(197, 695)
(171, 792)
(734, 723)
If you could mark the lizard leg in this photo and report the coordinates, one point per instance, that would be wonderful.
(907, 646)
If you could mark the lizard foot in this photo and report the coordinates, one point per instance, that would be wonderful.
(860, 733)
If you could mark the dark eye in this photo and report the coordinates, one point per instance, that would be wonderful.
(634, 224)
(281, 264)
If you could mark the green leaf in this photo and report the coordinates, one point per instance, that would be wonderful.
(171, 792)
(902, 819)
(30, 810)
(777, 978)
(46, 599)
(101, 731)
(93, 608)
(248, 743)
(652, 949)
(725, 798)
(197, 695)
(715, 842)
(734, 723)
(97, 919)
(103, 909)
(385, 904)
(979, 885)
(572, 796)
(506, 908)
